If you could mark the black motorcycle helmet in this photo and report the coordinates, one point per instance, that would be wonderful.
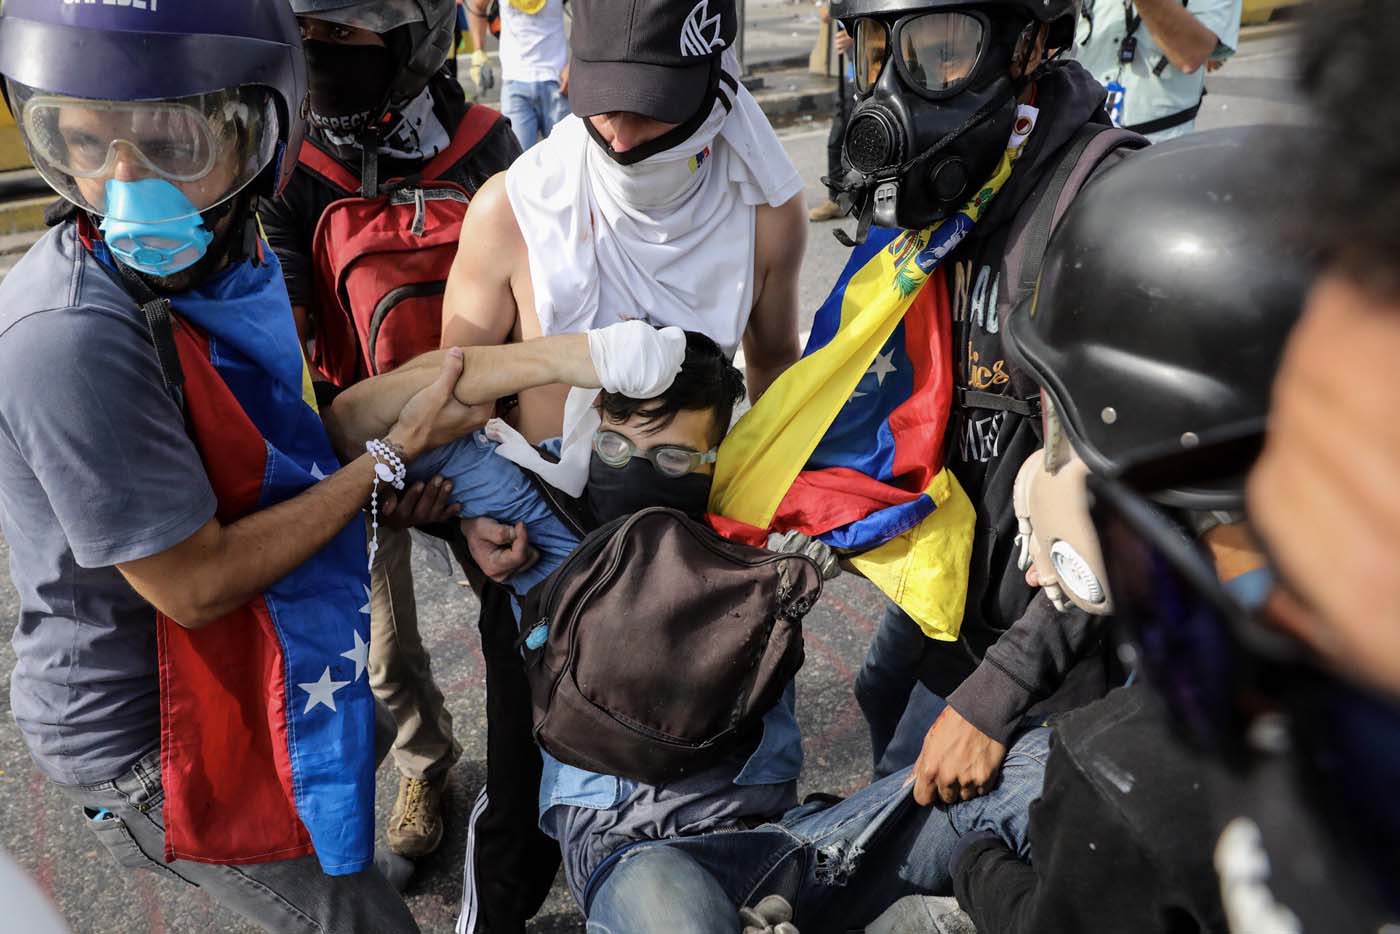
(1164, 303)
(420, 33)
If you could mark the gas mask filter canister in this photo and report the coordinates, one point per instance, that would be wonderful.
(1055, 532)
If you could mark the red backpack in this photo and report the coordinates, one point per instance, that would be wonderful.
(382, 263)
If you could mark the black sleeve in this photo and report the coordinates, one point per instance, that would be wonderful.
(492, 155)
(1027, 664)
(1088, 872)
(289, 221)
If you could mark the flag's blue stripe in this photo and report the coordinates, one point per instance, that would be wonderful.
(316, 608)
(865, 418)
(879, 527)
(828, 317)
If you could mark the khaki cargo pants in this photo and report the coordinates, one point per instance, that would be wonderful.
(400, 672)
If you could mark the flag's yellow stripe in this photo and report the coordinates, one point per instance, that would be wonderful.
(924, 571)
(774, 440)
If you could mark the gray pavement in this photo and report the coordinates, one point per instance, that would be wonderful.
(47, 835)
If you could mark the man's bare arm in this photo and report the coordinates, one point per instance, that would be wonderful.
(771, 343)
(221, 567)
(367, 409)
(479, 305)
(1187, 42)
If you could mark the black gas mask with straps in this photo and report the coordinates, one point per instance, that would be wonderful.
(937, 108)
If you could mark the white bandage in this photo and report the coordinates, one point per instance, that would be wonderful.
(633, 359)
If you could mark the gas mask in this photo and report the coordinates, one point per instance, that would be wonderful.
(1054, 530)
(938, 107)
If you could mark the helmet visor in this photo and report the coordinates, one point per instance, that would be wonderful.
(211, 146)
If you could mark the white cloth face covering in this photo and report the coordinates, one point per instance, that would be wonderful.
(668, 240)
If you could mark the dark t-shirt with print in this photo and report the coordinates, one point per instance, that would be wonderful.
(987, 447)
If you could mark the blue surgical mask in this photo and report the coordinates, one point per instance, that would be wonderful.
(160, 231)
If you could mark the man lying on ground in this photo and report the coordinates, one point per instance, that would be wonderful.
(688, 854)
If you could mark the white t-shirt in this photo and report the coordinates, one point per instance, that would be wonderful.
(533, 45)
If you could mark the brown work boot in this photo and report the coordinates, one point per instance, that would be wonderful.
(826, 211)
(415, 826)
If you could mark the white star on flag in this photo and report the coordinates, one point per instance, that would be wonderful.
(359, 655)
(368, 599)
(316, 472)
(322, 692)
(882, 367)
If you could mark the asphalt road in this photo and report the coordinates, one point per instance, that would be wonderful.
(46, 834)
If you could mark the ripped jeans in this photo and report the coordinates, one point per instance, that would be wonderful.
(836, 864)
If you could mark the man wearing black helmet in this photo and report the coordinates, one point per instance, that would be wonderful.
(383, 107)
(188, 557)
(1274, 662)
(940, 84)
(1123, 830)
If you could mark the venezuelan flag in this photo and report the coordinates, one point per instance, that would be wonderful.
(847, 445)
(267, 720)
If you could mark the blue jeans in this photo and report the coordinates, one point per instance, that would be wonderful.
(290, 895)
(885, 686)
(820, 857)
(533, 107)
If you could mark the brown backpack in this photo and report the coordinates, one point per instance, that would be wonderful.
(666, 646)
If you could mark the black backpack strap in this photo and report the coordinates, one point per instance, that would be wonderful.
(1169, 121)
(972, 399)
(1042, 222)
(156, 311)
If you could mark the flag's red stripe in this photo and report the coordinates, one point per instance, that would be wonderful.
(919, 423)
(224, 760)
(822, 500)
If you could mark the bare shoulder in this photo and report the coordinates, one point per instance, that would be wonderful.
(490, 221)
(780, 235)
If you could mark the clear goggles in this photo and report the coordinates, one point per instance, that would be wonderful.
(615, 450)
(211, 146)
(935, 53)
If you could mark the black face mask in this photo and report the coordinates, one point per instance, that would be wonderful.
(916, 160)
(349, 85)
(614, 492)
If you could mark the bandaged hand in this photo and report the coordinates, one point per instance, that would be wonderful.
(795, 543)
(482, 75)
(773, 915)
(631, 358)
(634, 359)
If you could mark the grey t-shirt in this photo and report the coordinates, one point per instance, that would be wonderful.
(95, 470)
